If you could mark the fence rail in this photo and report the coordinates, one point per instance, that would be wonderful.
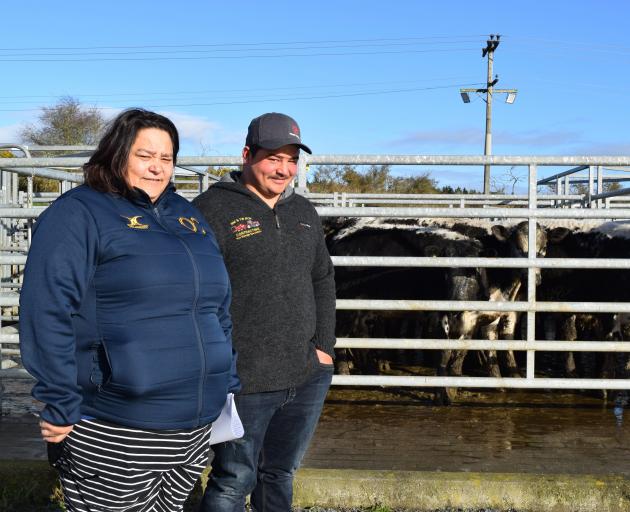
(512, 209)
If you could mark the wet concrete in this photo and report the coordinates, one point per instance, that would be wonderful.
(400, 429)
(489, 431)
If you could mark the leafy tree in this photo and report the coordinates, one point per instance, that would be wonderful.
(66, 123)
(376, 179)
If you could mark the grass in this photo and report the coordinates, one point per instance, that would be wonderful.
(27, 486)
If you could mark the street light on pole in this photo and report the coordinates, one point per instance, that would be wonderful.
(491, 46)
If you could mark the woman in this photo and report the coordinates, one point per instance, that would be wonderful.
(124, 324)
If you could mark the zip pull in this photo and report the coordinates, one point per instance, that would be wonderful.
(276, 217)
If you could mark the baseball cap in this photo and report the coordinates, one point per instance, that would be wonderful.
(274, 130)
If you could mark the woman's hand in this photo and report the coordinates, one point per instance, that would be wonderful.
(54, 433)
(323, 357)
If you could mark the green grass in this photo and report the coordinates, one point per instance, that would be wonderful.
(27, 486)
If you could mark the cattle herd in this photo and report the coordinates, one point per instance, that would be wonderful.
(480, 238)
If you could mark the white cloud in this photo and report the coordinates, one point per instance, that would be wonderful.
(201, 133)
(10, 133)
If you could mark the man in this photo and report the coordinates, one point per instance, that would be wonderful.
(283, 311)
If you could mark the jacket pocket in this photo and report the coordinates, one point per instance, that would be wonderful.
(101, 372)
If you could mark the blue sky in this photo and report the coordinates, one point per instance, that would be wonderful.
(365, 76)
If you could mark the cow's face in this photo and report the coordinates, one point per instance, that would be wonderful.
(517, 240)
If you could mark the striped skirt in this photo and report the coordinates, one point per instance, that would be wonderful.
(105, 467)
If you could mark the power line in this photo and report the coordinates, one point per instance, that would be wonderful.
(213, 45)
(226, 57)
(241, 90)
(154, 52)
(585, 46)
(266, 100)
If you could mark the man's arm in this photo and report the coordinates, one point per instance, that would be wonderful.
(323, 276)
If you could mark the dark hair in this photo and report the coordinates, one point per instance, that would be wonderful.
(107, 168)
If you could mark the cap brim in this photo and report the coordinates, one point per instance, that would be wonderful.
(275, 144)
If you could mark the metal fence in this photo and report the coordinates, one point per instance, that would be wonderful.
(530, 206)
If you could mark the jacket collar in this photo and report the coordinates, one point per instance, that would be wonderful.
(141, 198)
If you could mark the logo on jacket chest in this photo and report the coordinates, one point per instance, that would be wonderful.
(134, 222)
(244, 227)
(191, 224)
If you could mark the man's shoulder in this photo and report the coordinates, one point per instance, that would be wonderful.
(300, 202)
(211, 199)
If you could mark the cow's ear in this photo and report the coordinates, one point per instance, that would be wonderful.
(432, 251)
(500, 233)
(558, 234)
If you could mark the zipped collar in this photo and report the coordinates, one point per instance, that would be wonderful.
(141, 198)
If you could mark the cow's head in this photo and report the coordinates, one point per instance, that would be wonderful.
(517, 241)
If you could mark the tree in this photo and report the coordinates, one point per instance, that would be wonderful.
(376, 179)
(67, 123)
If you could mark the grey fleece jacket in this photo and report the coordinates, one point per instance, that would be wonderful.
(283, 302)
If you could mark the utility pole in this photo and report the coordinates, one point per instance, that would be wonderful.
(491, 45)
(489, 90)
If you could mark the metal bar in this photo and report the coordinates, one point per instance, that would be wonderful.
(13, 260)
(21, 213)
(439, 344)
(613, 193)
(444, 261)
(467, 197)
(562, 174)
(472, 160)
(514, 213)
(472, 382)
(478, 305)
(479, 382)
(46, 173)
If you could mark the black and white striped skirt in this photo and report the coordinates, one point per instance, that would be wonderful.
(105, 467)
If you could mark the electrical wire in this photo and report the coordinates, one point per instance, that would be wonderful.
(293, 98)
(227, 57)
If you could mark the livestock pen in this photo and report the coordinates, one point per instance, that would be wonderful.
(21, 209)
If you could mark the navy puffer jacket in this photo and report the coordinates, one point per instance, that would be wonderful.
(124, 312)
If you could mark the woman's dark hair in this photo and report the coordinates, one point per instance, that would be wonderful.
(107, 168)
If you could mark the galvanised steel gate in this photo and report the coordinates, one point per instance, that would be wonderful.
(526, 210)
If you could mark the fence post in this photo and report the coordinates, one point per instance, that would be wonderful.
(589, 194)
(600, 183)
(531, 274)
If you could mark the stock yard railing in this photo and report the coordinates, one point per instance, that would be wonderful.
(443, 209)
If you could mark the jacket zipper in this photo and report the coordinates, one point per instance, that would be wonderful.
(275, 216)
(202, 353)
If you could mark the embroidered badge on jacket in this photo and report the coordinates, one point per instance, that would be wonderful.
(244, 227)
(134, 222)
(191, 224)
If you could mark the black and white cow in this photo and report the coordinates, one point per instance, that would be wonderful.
(393, 237)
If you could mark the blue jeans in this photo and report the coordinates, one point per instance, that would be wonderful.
(278, 429)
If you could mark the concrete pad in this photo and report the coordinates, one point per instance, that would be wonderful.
(417, 490)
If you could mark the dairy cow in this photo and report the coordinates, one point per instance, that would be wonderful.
(393, 237)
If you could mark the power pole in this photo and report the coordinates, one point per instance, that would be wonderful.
(491, 45)
(489, 90)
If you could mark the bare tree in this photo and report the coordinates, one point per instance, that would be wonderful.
(68, 123)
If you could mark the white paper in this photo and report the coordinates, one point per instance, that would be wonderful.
(228, 425)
